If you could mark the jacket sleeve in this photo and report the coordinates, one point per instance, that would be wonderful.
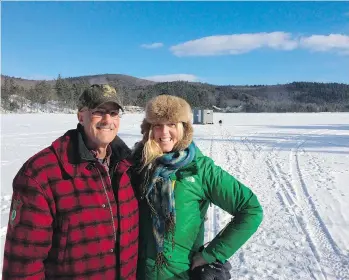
(238, 200)
(29, 231)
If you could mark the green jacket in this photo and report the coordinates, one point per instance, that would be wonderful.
(196, 185)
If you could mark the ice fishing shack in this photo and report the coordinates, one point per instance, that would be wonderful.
(202, 116)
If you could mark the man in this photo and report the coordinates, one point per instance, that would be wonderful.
(74, 214)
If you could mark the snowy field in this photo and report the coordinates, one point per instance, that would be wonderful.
(297, 164)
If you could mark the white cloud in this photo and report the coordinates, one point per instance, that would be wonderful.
(324, 43)
(234, 44)
(172, 78)
(39, 77)
(243, 43)
(152, 46)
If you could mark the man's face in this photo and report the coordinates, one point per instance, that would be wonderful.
(101, 124)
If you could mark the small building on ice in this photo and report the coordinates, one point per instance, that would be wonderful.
(202, 116)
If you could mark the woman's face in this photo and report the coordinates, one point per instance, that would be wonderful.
(166, 135)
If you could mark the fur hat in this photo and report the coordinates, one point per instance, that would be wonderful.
(168, 108)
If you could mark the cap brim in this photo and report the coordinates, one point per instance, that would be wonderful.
(117, 104)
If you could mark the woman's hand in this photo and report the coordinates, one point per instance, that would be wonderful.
(198, 260)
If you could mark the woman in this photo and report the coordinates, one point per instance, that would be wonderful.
(177, 183)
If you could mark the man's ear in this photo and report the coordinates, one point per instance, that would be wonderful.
(80, 117)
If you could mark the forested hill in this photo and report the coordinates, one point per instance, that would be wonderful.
(293, 97)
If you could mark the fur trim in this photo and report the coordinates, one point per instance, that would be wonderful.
(168, 108)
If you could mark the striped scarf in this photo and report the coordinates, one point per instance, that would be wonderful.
(160, 196)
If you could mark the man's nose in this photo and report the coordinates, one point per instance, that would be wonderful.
(107, 118)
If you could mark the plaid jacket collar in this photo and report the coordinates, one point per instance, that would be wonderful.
(72, 151)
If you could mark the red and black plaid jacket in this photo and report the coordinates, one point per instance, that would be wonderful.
(66, 222)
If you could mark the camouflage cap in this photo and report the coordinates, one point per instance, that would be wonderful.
(98, 94)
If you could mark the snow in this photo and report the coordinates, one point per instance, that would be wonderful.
(297, 164)
(25, 106)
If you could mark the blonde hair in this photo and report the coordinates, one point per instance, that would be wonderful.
(152, 150)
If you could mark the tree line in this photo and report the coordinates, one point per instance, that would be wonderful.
(293, 97)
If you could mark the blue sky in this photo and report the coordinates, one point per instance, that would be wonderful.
(220, 43)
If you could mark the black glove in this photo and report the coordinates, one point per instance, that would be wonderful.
(212, 271)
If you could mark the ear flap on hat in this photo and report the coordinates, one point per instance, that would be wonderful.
(187, 137)
(145, 128)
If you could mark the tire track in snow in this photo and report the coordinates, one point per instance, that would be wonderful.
(316, 263)
(289, 204)
(325, 249)
(294, 206)
(287, 196)
(299, 202)
(284, 197)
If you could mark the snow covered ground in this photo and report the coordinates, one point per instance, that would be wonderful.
(297, 164)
